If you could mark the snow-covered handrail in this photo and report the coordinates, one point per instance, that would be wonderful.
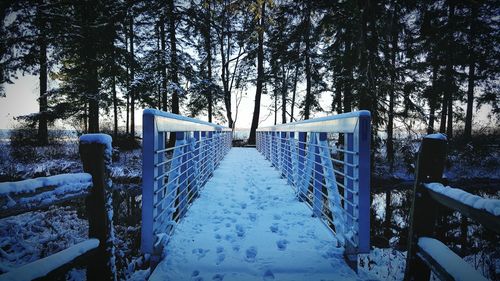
(424, 252)
(323, 171)
(33, 194)
(173, 176)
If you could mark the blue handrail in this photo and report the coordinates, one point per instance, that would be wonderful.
(325, 167)
(172, 177)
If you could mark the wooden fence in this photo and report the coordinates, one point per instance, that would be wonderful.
(425, 252)
(97, 253)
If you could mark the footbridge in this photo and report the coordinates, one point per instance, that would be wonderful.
(296, 207)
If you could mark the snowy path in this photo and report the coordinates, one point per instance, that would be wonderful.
(247, 225)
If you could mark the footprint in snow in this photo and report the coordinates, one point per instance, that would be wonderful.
(243, 205)
(274, 228)
(268, 275)
(252, 217)
(201, 253)
(277, 217)
(195, 273)
(240, 231)
(282, 244)
(220, 258)
(218, 277)
(251, 254)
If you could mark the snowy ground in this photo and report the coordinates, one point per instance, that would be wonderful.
(248, 225)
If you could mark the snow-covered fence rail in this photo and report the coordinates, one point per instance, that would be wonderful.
(34, 194)
(95, 186)
(332, 179)
(173, 176)
(425, 253)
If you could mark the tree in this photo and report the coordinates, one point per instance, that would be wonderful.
(261, 14)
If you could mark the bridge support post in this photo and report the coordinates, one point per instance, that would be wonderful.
(423, 214)
(96, 158)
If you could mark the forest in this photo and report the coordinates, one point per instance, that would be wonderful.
(413, 62)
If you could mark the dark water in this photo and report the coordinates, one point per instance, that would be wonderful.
(390, 209)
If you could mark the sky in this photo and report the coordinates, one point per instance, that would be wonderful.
(21, 99)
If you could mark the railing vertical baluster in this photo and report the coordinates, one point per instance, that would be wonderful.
(160, 157)
(197, 169)
(282, 153)
(302, 158)
(182, 188)
(318, 178)
(348, 182)
(289, 162)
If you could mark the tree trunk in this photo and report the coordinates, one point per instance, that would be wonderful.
(283, 97)
(449, 71)
(208, 50)
(43, 138)
(163, 91)
(173, 56)
(115, 106)
(260, 77)
(432, 98)
(132, 75)
(349, 78)
(308, 98)
(295, 80)
(472, 72)
(392, 92)
(275, 106)
(90, 61)
(337, 97)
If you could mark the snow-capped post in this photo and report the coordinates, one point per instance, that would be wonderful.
(423, 214)
(95, 152)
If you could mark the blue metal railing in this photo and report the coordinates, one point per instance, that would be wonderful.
(330, 173)
(173, 176)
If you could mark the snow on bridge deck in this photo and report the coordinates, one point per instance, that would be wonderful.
(248, 225)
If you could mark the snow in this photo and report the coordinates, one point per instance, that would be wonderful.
(452, 263)
(248, 225)
(490, 205)
(42, 267)
(77, 181)
(437, 136)
(98, 138)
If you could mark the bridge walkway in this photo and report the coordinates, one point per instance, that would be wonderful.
(247, 224)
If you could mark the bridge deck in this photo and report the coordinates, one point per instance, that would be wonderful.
(248, 225)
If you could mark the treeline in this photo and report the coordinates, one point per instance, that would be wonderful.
(402, 60)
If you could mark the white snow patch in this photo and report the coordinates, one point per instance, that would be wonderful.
(477, 202)
(31, 185)
(98, 138)
(42, 267)
(437, 136)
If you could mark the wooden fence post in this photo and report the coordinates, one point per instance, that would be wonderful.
(423, 214)
(95, 152)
